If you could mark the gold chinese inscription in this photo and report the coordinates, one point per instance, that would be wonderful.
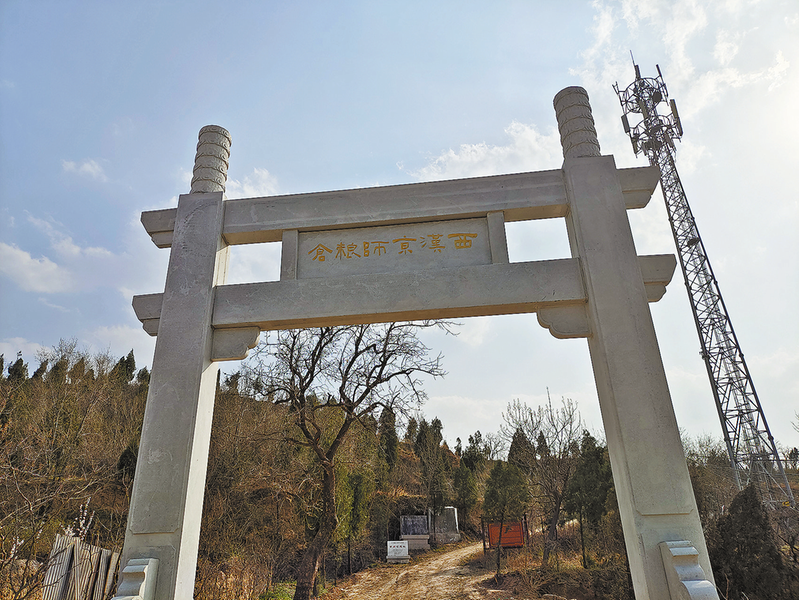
(393, 248)
(403, 246)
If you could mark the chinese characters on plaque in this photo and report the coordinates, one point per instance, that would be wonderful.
(409, 247)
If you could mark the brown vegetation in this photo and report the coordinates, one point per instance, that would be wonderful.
(69, 437)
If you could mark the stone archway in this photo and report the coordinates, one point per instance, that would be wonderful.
(418, 251)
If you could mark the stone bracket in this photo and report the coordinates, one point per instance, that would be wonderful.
(565, 322)
(160, 224)
(638, 184)
(233, 344)
(148, 310)
(657, 271)
(685, 576)
(137, 581)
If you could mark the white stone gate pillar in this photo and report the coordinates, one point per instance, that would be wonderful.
(167, 499)
(653, 488)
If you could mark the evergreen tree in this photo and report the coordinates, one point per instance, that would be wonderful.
(78, 370)
(506, 498)
(411, 430)
(18, 372)
(41, 369)
(389, 442)
(143, 376)
(476, 453)
(58, 374)
(466, 492)
(125, 369)
(589, 486)
(746, 561)
(431, 455)
(422, 439)
(521, 452)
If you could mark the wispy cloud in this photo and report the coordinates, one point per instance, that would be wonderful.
(33, 274)
(62, 243)
(88, 168)
(10, 346)
(727, 46)
(260, 183)
(57, 307)
(677, 26)
(527, 150)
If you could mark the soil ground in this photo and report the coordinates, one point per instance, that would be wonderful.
(458, 574)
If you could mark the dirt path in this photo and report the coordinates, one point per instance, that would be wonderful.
(455, 575)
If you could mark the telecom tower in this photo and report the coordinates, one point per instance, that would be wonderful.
(750, 445)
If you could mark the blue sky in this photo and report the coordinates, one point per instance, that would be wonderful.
(100, 105)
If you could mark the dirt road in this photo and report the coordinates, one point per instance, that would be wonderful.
(455, 575)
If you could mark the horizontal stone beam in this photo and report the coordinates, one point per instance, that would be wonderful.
(520, 196)
(380, 297)
(467, 291)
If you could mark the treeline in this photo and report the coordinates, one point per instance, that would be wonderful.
(318, 446)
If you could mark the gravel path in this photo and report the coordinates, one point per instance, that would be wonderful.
(445, 576)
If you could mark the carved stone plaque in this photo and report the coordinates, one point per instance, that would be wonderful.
(395, 248)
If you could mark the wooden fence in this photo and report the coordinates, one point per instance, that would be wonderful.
(77, 570)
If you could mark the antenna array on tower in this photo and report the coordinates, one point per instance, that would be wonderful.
(749, 442)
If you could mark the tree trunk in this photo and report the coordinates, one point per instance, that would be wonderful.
(552, 532)
(309, 565)
(582, 539)
(499, 546)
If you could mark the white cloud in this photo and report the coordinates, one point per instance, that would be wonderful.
(33, 274)
(474, 331)
(10, 346)
(121, 339)
(727, 46)
(55, 306)
(528, 150)
(260, 183)
(88, 168)
(673, 30)
(63, 244)
(777, 72)
(691, 155)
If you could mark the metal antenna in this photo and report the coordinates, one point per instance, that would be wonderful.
(750, 445)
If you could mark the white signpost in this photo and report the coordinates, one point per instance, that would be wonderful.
(397, 552)
(410, 252)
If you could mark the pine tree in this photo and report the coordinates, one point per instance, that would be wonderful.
(125, 369)
(521, 452)
(389, 442)
(466, 492)
(589, 486)
(746, 561)
(41, 369)
(506, 498)
(412, 430)
(476, 453)
(18, 372)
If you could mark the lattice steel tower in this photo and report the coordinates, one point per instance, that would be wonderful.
(750, 445)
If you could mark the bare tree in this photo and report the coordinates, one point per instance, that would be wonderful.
(551, 456)
(333, 379)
